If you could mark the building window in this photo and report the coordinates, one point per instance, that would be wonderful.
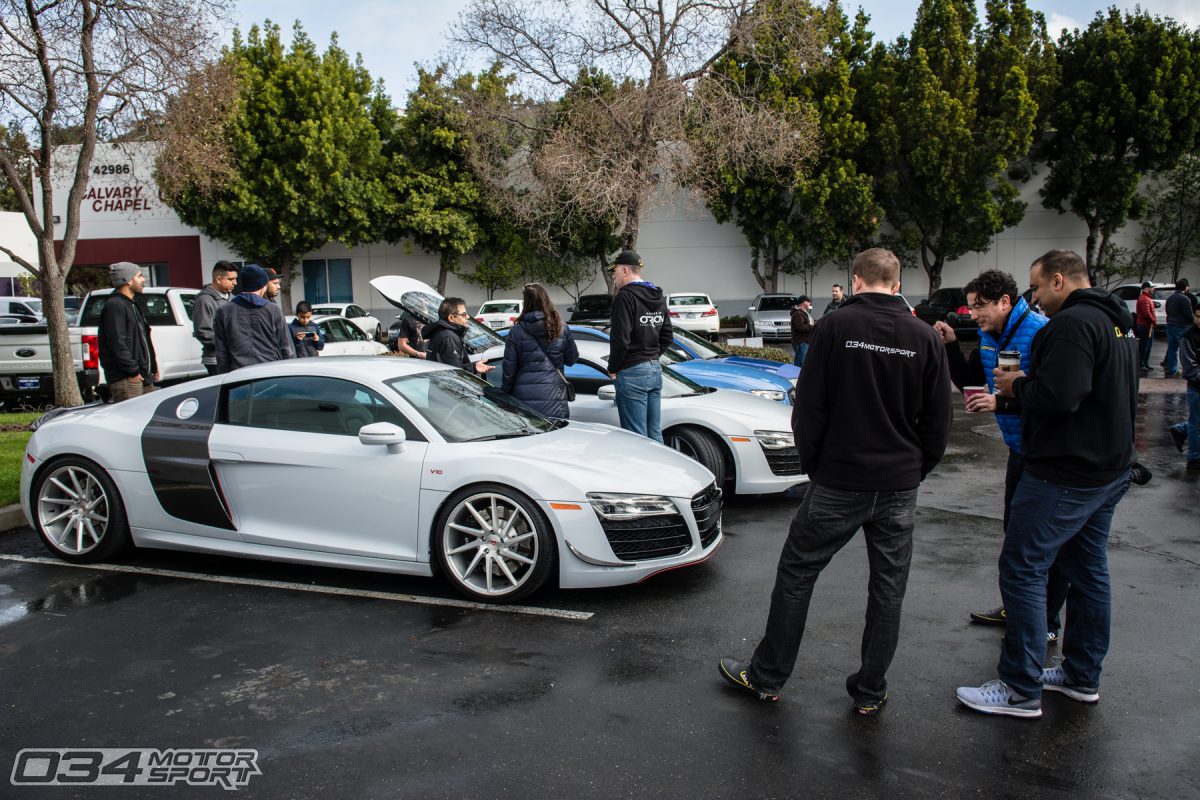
(156, 274)
(327, 280)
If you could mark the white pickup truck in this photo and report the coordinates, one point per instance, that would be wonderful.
(168, 310)
(25, 371)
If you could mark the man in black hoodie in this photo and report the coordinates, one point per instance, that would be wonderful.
(1078, 405)
(640, 332)
(126, 347)
(878, 377)
(446, 338)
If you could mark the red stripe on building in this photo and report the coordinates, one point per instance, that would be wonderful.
(181, 254)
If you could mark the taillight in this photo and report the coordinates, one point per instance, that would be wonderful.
(712, 312)
(963, 311)
(674, 313)
(512, 319)
(479, 319)
(91, 359)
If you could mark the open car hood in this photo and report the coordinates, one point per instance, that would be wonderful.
(422, 301)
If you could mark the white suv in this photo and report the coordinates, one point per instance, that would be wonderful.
(695, 312)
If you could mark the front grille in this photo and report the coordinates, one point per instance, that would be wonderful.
(785, 461)
(706, 507)
(648, 537)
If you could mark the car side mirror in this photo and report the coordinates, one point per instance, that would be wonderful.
(387, 434)
(751, 308)
(570, 309)
(608, 392)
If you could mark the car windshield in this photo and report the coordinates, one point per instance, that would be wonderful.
(594, 302)
(499, 308)
(36, 305)
(702, 347)
(689, 300)
(1159, 294)
(778, 303)
(675, 385)
(463, 408)
(331, 311)
(478, 338)
(675, 354)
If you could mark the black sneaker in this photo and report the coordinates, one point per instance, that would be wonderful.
(1139, 474)
(994, 617)
(1178, 437)
(735, 672)
(869, 708)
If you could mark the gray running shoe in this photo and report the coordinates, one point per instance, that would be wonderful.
(1055, 679)
(994, 697)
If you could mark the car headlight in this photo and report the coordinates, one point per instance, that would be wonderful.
(775, 440)
(769, 394)
(630, 506)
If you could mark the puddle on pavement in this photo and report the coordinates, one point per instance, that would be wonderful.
(83, 593)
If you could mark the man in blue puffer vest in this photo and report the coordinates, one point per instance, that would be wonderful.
(1006, 322)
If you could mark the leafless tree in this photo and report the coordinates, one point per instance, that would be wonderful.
(94, 68)
(609, 152)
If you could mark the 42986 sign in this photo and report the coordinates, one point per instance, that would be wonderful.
(228, 768)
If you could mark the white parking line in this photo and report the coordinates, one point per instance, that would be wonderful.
(532, 611)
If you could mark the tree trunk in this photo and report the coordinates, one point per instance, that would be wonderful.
(66, 386)
(608, 278)
(933, 262)
(633, 213)
(446, 263)
(772, 270)
(1094, 234)
(754, 270)
(285, 286)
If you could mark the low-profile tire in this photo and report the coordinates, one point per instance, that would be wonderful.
(749, 331)
(493, 544)
(78, 512)
(699, 446)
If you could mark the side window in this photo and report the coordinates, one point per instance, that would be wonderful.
(335, 331)
(189, 303)
(20, 308)
(310, 404)
(156, 309)
(355, 333)
(354, 312)
(586, 377)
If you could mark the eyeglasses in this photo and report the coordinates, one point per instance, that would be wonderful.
(977, 306)
(458, 314)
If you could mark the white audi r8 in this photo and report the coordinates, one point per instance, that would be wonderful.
(744, 440)
(384, 464)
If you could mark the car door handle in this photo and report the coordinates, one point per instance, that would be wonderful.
(226, 455)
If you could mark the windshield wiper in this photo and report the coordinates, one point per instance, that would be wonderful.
(495, 436)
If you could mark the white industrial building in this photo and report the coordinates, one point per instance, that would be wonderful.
(124, 219)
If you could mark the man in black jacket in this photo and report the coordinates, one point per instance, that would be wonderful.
(878, 377)
(445, 340)
(1078, 405)
(126, 350)
(640, 333)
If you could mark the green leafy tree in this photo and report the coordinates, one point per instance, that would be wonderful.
(1128, 104)
(797, 221)
(440, 202)
(1169, 234)
(942, 139)
(304, 142)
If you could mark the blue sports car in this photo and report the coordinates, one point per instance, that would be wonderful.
(717, 373)
(698, 347)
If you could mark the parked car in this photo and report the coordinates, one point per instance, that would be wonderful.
(745, 441)
(168, 310)
(407, 467)
(26, 369)
(25, 307)
(694, 311)
(770, 316)
(948, 305)
(590, 309)
(716, 374)
(344, 339)
(696, 347)
(498, 314)
(1129, 293)
(365, 322)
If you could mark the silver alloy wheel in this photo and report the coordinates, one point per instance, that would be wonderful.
(73, 509)
(490, 544)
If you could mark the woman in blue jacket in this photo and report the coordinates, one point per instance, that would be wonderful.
(535, 352)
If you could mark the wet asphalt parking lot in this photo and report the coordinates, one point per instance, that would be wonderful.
(364, 694)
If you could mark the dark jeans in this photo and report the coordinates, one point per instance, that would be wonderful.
(1174, 337)
(639, 399)
(799, 351)
(1190, 427)
(826, 520)
(1056, 584)
(1068, 526)
(1145, 335)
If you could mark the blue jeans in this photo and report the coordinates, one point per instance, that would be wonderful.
(800, 352)
(1066, 527)
(826, 520)
(1174, 337)
(1191, 426)
(639, 391)
(1145, 335)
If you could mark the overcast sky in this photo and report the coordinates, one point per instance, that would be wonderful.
(393, 35)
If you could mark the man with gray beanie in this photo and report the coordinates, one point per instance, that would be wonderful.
(250, 329)
(126, 350)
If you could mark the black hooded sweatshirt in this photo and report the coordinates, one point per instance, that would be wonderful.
(445, 342)
(641, 327)
(1079, 401)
